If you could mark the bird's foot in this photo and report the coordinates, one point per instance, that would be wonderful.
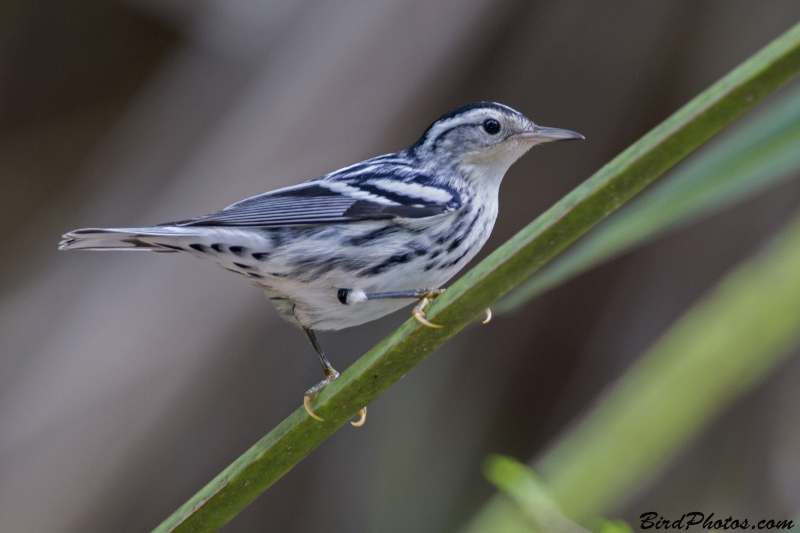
(488, 316)
(311, 395)
(419, 310)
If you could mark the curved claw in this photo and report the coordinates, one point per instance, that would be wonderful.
(307, 399)
(422, 320)
(488, 316)
(419, 313)
(362, 413)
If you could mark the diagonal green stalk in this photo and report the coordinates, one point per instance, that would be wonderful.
(721, 348)
(509, 265)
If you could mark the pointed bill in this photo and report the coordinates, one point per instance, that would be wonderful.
(542, 134)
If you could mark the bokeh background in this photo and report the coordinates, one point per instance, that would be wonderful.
(127, 381)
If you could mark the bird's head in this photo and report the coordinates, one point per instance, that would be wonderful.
(485, 134)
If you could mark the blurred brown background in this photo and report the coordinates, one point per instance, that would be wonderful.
(127, 381)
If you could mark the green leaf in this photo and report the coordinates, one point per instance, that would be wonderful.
(520, 484)
(531, 496)
(611, 186)
(762, 153)
(720, 349)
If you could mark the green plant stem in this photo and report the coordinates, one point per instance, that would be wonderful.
(612, 185)
(721, 348)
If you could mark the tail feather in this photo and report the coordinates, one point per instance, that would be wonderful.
(121, 239)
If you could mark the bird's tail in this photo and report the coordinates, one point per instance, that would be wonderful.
(155, 239)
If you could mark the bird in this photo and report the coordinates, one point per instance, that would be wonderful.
(364, 241)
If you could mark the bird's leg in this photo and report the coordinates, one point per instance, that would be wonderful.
(330, 375)
(350, 296)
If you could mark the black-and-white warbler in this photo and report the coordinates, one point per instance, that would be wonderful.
(366, 240)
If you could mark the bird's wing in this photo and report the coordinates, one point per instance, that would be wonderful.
(325, 200)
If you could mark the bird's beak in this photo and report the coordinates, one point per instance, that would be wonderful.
(541, 134)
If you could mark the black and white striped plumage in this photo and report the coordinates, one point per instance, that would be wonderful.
(403, 221)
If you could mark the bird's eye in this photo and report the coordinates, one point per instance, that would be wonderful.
(491, 126)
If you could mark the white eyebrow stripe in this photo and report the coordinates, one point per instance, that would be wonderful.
(414, 190)
(471, 117)
(355, 192)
